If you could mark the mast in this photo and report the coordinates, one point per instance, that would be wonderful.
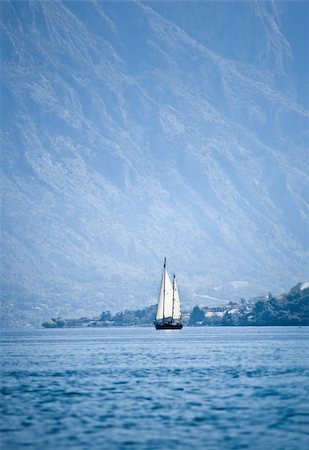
(164, 268)
(173, 296)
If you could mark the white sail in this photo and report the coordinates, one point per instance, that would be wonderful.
(176, 310)
(165, 305)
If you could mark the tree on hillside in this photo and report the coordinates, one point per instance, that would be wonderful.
(289, 309)
(197, 316)
(54, 323)
(105, 316)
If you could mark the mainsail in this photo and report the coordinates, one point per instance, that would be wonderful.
(176, 301)
(165, 305)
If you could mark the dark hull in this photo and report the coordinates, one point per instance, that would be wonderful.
(168, 326)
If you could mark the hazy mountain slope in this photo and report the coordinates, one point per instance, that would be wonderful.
(128, 135)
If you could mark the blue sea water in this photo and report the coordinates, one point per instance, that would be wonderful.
(138, 388)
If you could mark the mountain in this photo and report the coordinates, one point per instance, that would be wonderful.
(137, 130)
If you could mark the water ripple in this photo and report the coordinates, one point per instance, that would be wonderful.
(139, 389)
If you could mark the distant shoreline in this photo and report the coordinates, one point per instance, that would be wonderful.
(291, 309)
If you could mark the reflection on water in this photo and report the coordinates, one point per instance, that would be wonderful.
(138, 388)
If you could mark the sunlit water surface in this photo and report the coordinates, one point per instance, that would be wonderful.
(137, 388)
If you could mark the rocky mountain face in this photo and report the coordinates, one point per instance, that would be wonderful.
(137, 130)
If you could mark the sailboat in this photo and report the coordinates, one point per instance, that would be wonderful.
(168, 312)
